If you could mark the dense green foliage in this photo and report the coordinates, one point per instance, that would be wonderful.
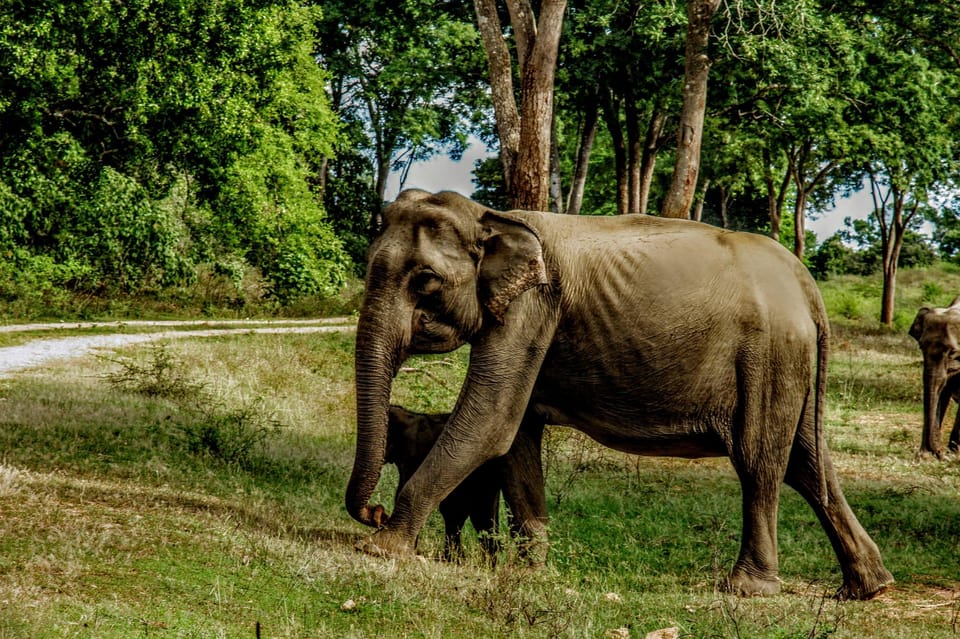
(148, 143)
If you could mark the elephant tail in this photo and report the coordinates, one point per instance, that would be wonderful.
(820, 400)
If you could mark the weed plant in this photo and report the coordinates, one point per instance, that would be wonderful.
(195, 489)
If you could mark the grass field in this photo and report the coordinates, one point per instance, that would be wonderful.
(194, 488)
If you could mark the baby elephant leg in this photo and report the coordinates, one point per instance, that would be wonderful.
(523, 490)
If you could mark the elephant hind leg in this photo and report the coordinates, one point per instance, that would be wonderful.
(864, 575)
(758, 451)
(755, 572)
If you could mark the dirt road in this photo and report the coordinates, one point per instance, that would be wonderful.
(40, 351)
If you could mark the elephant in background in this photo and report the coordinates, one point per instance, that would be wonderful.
(410, 436)
(653, 336)
(937, 331)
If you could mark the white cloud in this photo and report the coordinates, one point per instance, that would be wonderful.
(440, 173)
(858, 206)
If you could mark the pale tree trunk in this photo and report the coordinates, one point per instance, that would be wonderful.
(588, 134)
(698, 208)
(696, 71)
(525, 133)
(556, 184)
(648, 163)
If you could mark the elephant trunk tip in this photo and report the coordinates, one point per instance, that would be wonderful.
(369, 515)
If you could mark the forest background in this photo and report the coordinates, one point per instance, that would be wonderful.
(228, 156)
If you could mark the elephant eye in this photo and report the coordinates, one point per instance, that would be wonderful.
(426, 282)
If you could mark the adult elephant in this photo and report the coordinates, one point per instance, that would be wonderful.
(937, 331)
(653, 336)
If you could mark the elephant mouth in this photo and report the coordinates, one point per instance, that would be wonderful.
(431, 335)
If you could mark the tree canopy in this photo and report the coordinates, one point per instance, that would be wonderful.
(147, 142)
(156, 144)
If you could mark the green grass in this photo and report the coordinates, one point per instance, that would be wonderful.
(211, 503)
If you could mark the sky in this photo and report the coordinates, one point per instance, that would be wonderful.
(440, 173)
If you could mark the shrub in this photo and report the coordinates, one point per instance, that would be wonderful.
(845, 303)
(208, 428)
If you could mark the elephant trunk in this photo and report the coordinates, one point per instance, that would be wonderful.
(933, 406)
(378, 354)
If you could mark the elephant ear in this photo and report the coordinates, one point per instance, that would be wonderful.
(916, 330)
(512, 262)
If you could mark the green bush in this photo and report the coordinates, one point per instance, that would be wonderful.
(288, 238)
(845, 303)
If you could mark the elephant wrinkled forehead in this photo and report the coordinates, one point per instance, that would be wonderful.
(942, 326)
(416, 215)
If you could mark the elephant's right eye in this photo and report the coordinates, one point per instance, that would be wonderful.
(426, 282)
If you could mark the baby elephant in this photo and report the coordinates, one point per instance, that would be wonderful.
(410, 436)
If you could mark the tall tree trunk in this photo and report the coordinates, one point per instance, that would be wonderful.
(724, 201)
(799, 224)
(611, 115)
(696, 71)
(530, 186)
(505, 111)
(648, 163)
(891, 244)
(801, 158)
(525, 133)
(383, 171)
(588, 133)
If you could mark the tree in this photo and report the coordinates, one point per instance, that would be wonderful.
(786, 104)
(947, 229)
(146, 143)
(697, 70)
(911, 148)
(409, 74)
(525, 131)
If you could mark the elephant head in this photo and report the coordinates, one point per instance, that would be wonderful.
(441, 268)
(937, 331)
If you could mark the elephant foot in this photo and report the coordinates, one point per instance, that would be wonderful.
(387, 544)
(745, 585)
(865, 587)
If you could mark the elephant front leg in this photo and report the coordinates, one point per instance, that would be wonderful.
(504, 363)
(457, 453)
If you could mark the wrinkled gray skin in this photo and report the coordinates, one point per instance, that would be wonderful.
(937, 331)
(653, 336)
(410, 436)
